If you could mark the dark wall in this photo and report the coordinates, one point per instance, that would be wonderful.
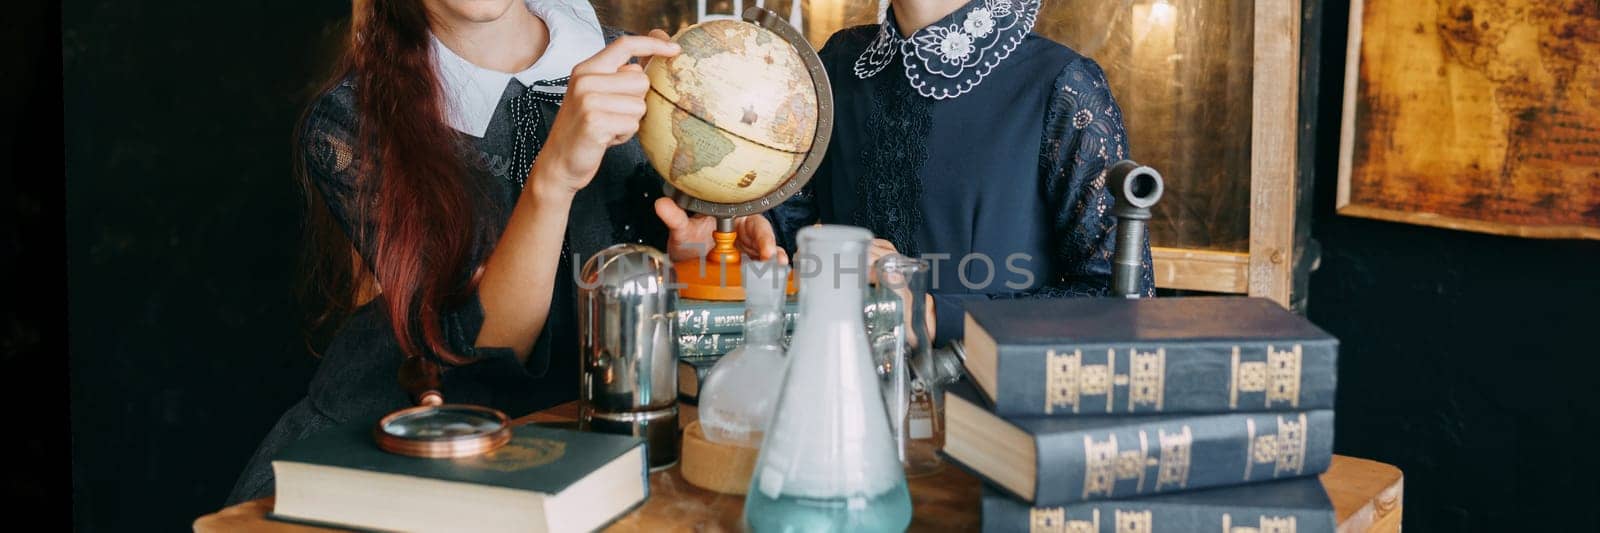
(182, 225)
(1467, 360)
(33, 362)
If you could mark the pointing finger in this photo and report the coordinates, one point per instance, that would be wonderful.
(624, 49)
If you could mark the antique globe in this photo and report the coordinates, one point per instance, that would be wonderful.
(735, 124)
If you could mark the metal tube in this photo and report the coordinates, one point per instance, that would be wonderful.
(1136, 188)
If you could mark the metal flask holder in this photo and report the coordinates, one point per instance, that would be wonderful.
(629, 382)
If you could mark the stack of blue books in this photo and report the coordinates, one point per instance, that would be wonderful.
(1170, 414)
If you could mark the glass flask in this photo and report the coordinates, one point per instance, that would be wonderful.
(903, 351)
(738, 396)
(828, 461)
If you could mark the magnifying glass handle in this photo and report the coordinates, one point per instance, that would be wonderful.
(419, 377)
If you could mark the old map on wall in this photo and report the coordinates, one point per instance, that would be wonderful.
(1481, 115)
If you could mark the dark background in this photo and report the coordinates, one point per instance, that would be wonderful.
(1467, 359)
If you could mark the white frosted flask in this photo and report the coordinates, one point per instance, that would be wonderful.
(828, 461)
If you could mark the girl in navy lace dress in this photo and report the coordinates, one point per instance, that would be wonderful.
(962, 137)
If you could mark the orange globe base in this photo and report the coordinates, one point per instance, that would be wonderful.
(718, 276)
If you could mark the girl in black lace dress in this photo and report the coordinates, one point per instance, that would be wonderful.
(440, 158)
(962, 137)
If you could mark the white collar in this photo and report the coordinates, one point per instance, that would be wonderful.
(472, 93)
(951, 56)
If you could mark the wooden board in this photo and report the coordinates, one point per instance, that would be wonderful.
(1201, 270)
(1479, 115)
(1273, 148)
(1367, 496)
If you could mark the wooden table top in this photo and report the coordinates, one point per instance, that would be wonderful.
(1367, 496)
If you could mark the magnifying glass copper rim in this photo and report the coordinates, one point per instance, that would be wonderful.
(444, 447)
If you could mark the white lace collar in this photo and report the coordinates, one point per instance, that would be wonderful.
(472, 93)
(951, 56)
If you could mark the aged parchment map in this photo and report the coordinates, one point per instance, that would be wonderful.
(1481, 115)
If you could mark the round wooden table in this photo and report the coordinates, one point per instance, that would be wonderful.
(1367, 496)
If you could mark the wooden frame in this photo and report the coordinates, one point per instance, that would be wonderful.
(1268, 269)
(1347, 134)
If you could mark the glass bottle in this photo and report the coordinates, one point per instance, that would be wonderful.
(904, 353)
(828, 461)
(738, 398)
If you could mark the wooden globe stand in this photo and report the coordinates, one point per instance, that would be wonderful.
(718, 275)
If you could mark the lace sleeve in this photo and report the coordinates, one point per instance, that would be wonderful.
(328, 151)
(1083, 138)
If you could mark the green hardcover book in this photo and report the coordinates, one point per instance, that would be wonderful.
(545, 479)
(700, 317)
(692, 372)
(708, 344)
(704, 317)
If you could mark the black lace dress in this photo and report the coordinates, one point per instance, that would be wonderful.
(357, 376)
(978, 145)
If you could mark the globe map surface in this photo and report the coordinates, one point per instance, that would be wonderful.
(730, 118)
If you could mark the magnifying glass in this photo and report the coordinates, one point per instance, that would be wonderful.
(434, 429)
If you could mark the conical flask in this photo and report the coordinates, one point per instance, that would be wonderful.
(739, 394)
(828, 461)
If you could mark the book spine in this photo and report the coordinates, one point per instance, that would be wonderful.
(1003, 514)
(692, 374)
(1176, 454)
(706, 344)
(1208, 377)
(702, 317)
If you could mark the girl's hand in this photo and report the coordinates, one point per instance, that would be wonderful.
(690, 237)
(602, 108)
(881, 248)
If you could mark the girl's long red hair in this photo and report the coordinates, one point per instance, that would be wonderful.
(420, 222)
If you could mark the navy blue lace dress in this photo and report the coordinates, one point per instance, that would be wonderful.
(978, 145)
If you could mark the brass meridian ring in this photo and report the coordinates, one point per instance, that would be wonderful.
(819, 144)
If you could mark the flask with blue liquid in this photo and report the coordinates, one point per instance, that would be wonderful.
(828, 460)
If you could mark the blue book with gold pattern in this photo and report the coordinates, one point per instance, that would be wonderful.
(1114, 356)
(1066, 459)
(1296, 505)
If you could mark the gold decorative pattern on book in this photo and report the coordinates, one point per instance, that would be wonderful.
(1277, 378)
(1099, 466)
(1054, 520)
(1285, 449)
(1105, 463)
(1134, 521)
(1068, 380)
(1264, 524)
(1147, 373)
(521, 453)
(1062, 374)
(1175, 455)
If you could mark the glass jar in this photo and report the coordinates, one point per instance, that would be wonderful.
(828, 461)
(903, 351)
(738, 399)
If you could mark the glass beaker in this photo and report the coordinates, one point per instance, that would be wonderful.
(828, 461)
(739, 393)
(903, 352)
